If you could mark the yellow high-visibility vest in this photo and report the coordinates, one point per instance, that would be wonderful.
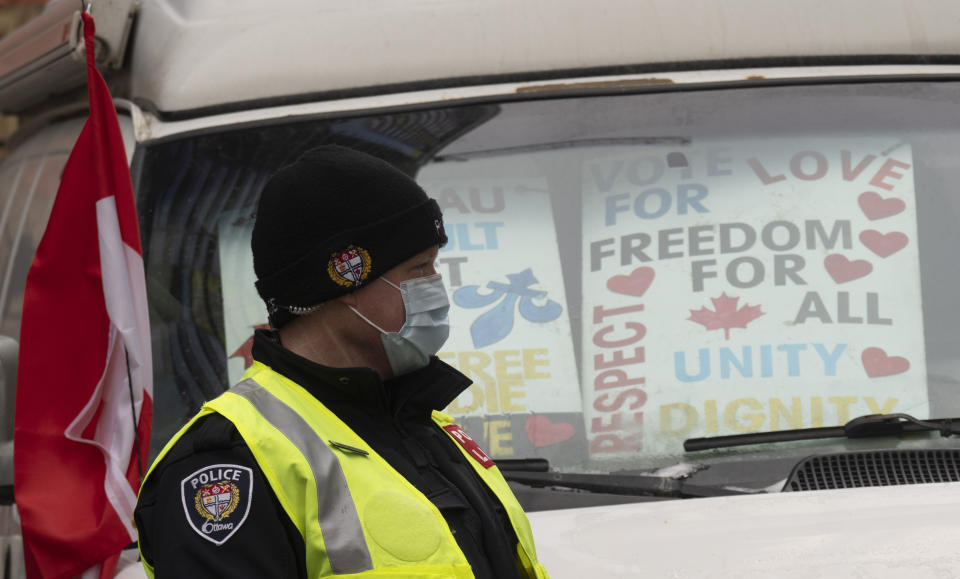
(357, 515)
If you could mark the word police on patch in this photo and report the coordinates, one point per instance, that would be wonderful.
(216, 500)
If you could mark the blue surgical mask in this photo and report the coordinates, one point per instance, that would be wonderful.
(425, 329)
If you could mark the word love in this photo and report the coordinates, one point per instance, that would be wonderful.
(813, 166)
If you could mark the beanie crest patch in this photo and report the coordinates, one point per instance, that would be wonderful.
(349, 267)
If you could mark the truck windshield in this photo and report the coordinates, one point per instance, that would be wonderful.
(625, 271)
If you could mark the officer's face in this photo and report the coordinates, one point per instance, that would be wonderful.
(383, 303)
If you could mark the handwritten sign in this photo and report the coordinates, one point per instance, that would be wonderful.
(510, 327)
(748, 285)
(243, 310)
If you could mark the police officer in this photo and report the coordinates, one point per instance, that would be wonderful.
(331, 456)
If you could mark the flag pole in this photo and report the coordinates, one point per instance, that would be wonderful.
(133, 413)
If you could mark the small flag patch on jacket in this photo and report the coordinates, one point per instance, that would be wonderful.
(469, 444)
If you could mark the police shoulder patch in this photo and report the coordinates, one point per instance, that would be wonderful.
(216, 500)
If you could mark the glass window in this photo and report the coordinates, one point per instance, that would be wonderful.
(626, 271)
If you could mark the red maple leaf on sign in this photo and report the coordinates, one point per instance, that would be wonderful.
(725, 315)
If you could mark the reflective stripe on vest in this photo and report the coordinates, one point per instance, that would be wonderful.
(337, 514)
(405, 534)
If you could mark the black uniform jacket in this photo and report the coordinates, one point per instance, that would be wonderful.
(393, 417)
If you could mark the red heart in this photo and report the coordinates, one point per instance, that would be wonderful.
(877, 363)
(635, 284)
(542, 432)
(883, 245)
(876, 207)
(843, 270)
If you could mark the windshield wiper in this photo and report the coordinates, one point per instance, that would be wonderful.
(867, 426)
(618, 484)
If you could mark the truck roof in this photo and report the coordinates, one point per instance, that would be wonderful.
(190, 55)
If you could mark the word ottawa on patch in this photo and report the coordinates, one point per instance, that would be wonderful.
(216, 500)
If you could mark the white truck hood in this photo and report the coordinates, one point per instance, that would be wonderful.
(902, 531)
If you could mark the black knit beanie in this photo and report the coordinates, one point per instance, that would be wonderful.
(332, 222)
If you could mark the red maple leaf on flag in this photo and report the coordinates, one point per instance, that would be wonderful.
(245, 350)
(725, 315)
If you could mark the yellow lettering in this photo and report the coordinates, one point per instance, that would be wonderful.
(816, 411)
(508, 393)
(710, 410)
(666, 418)
(500, 436)
(843, 407)
(531, 361)
(474, 363)
(493, 399)
(794, 417)
(876, 409)
(754, 419)
(502, 364)
(497, 389)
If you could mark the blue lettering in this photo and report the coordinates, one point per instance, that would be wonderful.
(766, 361)
(830, 358)
(733, 363)
(793, 357)
(640, 203)
(463, 237)
(680, 366)
(459, 236)
(613, 207)
(743, 365)
(490, 232)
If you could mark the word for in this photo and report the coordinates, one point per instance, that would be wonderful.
(473, 200)
(725, 238)
(752, 415)
(617, 422)
(498, 378)
(747, 272)
(764, 361)
(813, 165)
(656, 202)
(813, 307)
(466, 237)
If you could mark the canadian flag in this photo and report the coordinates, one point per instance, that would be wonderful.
(85, 383)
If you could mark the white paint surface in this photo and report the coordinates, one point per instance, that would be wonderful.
(905, 531)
